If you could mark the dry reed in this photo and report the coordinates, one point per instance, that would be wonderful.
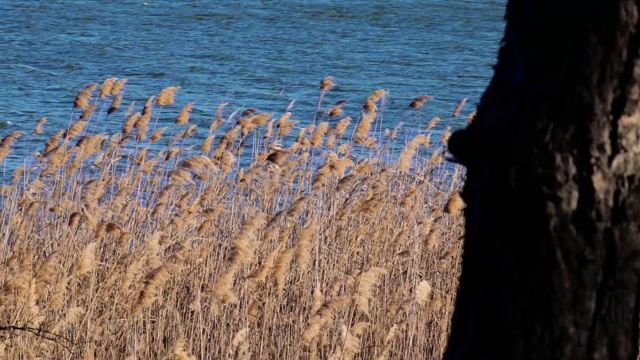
(115, 245)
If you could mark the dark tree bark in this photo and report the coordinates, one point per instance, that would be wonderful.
(552, 250)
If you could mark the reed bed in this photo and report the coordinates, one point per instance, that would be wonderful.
(243, 235)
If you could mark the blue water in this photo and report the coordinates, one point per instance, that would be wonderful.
(250, 53)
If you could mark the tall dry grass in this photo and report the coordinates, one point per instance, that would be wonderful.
(248, 235)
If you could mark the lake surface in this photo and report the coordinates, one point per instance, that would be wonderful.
(258, 54)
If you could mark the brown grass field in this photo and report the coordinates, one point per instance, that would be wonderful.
(339, 240)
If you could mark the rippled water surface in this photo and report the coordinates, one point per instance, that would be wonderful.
(260, 54)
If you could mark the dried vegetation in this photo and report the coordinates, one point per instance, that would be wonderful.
(240, 235)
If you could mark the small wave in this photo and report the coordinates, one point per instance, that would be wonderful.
(69, 66)
(5, 123)
(13, 66)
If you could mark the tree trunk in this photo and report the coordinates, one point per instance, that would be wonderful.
(552, 250)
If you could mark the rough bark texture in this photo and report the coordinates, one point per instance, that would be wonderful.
(552, 249)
